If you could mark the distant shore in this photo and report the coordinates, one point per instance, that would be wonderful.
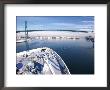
(53, 35)
(53, 30)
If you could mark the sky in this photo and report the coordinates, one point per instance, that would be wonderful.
(79, 23)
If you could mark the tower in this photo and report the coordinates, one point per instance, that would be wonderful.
(26, 31)
(26, 36)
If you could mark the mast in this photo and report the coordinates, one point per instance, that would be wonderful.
(26, 31)
(26, 36)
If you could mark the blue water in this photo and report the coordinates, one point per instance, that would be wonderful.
(78, 54)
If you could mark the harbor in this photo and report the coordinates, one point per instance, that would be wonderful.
(49, 48)
(50, 35)
(68, 49)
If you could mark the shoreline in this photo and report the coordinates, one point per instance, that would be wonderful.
(52, 35)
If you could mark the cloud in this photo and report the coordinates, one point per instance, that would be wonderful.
(88, 22)
(63, 24)
(57, 26)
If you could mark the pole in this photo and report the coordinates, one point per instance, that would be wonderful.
(26, 29)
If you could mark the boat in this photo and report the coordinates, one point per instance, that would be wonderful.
(89, 38)
(40, 61)
(20, 41)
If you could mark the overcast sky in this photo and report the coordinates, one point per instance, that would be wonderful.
(80, 23)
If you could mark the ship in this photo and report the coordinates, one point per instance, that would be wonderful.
(41, 61)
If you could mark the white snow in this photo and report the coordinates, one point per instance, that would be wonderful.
(57, 34)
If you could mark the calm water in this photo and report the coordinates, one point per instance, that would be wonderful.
(77, 54)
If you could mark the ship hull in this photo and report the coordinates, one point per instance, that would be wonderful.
(40, 61)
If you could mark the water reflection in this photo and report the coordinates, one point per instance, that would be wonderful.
(76, 53)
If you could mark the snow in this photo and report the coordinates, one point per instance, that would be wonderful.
(55, 33)
(45, 57)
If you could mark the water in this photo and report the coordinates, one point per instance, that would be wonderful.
(77, 54)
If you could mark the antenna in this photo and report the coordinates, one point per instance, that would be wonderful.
(25, 28)
(26, 31)
(26, 35)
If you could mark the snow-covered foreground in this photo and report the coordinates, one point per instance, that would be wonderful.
(40, 61)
